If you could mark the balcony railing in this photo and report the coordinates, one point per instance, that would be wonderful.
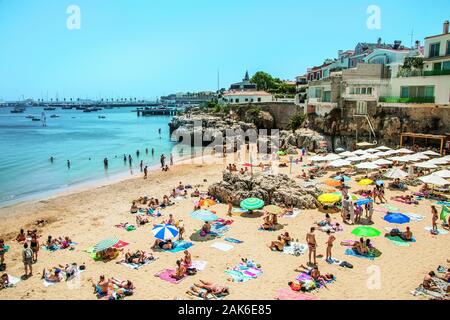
(407, 100)
(405, 73)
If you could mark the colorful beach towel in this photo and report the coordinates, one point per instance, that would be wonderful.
(51, 283)
(350, 252)
(295, 249)
(415, 217)
(232, 240)
(293, 215)
(165, 275)
(400, 242)
(288, 294)
(243, 273)
(180, 246)
(222, 246)
(205, 295)
(199, 265)
(441, 284)
(58, 247)
(136, 266)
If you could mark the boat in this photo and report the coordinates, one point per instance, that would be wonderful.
(30, 116)
(18, 110)
(102, 117)
(47, 108)
(54, 116)
(35, 119)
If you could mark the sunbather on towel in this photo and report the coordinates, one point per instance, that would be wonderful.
(138, 257)
(278, 245)
(140, 221)
(180, 272)
(267, 223)
(429, 284)
(108, 254)
(361, 247)
(406, 236)
(326, 222)
(53, 276)
(211, 288)
(164, 245)
(206, 229)
(126, 284)
(316, 275)
(405, 199)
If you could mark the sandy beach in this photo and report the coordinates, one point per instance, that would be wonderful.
(90, 215)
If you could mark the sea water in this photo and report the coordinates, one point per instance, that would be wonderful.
(83, 138)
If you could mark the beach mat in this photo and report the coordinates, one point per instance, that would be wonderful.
(136, 266)
(441, 232)
(288, 294)
(414, 217)
(293, 215)
(165, 276)
(350, 252)
(58, 247)
(180, 246)
(222, 246)
(241, 275)
(400, 242)
(233, 240)
(199, 265)
(295, 249)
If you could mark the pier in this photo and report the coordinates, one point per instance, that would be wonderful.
(157, 111)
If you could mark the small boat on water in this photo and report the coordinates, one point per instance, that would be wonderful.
(54, 116)
(35, 119)
(102, 117)
(18, 110)
(30, 116)
(49, 108)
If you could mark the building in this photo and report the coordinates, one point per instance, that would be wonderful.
(193, 98)
(244, 85)
(324, 94)
(437, 52)
(245, 97)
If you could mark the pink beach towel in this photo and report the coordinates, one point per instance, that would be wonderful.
(166, 276)
(288, 294)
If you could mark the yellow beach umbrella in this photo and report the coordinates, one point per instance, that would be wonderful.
(273, 209)
(365, 182)
(329, 198)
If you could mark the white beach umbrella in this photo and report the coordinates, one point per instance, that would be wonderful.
(367, 166)
(354, 159)
(340, 150)
(431, 153)
(382, 162)
(404, 151)
(396, 174)
(401, 159)
(443, 173)
(425, 165)
(391, 152)
(340, 163)
(372, 150)
(331, 157)
(439, 161)
(359, 152)
(346, 154)
(434, 179)
(383, 148)
(419, 156)
(371, 156)
(316, 159)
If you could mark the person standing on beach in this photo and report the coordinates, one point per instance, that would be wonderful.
(141, 165)
(27, 258)
(34, 245)
(329, 244)
(2, 252)
(145, 172)
(312, 245)
(68, 164)
(124, 159)
(153, 152)
(105, 163)
(171, 159)
(163, 161)
(138, 153)
(434, 218)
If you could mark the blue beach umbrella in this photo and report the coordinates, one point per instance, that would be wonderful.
(396, 218)
(339, 178)
(165, 231)
(363, 202)
(380, 182)
(204, 215)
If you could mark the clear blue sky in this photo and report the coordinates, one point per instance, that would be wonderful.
(147, 48)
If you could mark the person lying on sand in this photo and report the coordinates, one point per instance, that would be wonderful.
(405, 199)
(164, 245)
(108, 254)
(53, 275)
(361, 247)
(211, 289)
(428, 282)
(138, 257)
(140, 220)
(180, 271)
(407, 235)
(316, 275)
(123, 284)
(325, 222)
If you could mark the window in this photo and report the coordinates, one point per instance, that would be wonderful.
(434, 50)
(363, 90)
(358, 90)
(369, 90)
(259, 99)
(326, 96)
(237, 100)
(246, 99)
(448, 48)
(417, 92)
(446, 65)
(437, 66)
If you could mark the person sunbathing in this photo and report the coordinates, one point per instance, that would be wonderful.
(163, 245)
(180, 271)
(134, 208)
(196, 193)
(101, 288)
(21, 237)
(278, 245)
(326, 222)
(126, 284)
(212, 288)
(406, 236)
(287, 238)
(139, 257)
(316, 275)
(170, 221)
(428, 282)
(187, 259)
(267, 223)
(56, 276)
(180, 186)
(361, 247)
(206, 229)
(108, 254)
(140, 220)
(65, 243)
(405, 199)
(51, 243)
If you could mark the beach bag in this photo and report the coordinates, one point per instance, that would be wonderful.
(2, 267)
(191, 271)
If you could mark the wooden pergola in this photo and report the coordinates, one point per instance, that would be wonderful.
(415, 136)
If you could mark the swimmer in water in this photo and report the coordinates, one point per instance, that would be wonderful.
(52, 159)
(68, 164)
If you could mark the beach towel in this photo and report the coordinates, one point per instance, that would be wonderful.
(51, 283)
(120, 244)
(350, 252)
(309, 283)
(218, 229)
(222, 246)
(441, 284)
(12, 281)
(293, 215)
(199, 265)
(232, 240)
(288, 294)
(243, 273)
(180, 246)
(415, 217)
(295, 249)
(58, 247)
(136, 266)
(400, 242)
(391, 208)
(440, 231)
(204, 295)
(238, 211)
(165, 275)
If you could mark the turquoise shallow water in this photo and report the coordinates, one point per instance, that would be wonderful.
(26, 147)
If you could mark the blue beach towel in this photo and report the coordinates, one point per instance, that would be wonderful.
(180, 246)
(350, 252)
(232, 240)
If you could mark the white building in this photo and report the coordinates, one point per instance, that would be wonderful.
(245, 97)
(437, 52)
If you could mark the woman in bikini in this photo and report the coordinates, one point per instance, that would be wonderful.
(278, 245)
(180, 272)
(211, 290)
(312, 245)
(187, 259)
(134, 208)
(21, 237)
(34, 245)
(435, 217)
(163, 245)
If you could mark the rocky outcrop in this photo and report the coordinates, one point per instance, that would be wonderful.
(278, 190)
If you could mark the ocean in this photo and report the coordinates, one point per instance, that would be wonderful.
(26, 147)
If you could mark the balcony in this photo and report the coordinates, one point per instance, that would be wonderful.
(404, 73)
(407, 100)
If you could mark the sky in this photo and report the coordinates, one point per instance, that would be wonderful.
(149, 48)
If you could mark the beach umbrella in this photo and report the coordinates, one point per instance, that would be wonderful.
(316, 159)
(329, 198)
(404, 151)
(359, 152)
(346, 154)
(382, 162)
(105, 244)
(362, 202)
(383, 148)
(331, 157)
(273, 209)
(396, 174)
(281, 153)
(439, 161)
(368, 232)
(165, 231)
(372, 150)
(333, 183)
(339, 178)
(365, 182)
(434, 179)
(252, 204)
(426, 165)
(370, 156)
(204, 215)
(443, 173)
(367, 166)
(340, 150)
(339, 194)
(248, 165)
(340, 163)
(207, 202)
(354, 159)
(431, 153)
(396, 218)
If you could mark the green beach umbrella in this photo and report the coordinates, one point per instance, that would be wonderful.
(105, 244)
(281, 153)
(366, 232)
(252, 204)
(354, 197)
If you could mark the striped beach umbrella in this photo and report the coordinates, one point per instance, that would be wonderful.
(252, 204)
(207, 202)
(165, 231)
(105, 244)
(204, 215)
(368, 232)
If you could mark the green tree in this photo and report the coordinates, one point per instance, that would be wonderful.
(296, 121)
(264, 81)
